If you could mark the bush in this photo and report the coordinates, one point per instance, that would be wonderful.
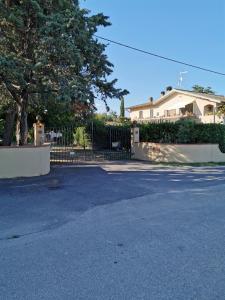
(183, 132)
(159, 133)
(104, 135)
(99, 135)
(1, 130)
(30, 138)
(81, 137)
(1, 127)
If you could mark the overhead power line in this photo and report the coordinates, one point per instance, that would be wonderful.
(161, 57)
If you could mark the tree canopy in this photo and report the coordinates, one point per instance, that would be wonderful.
(48, 50)
(204, 90)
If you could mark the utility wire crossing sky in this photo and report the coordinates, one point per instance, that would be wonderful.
(187, 37)
(160, 56)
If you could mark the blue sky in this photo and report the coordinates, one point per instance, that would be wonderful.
(192, 31)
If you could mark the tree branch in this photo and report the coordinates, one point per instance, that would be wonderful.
(12, 90)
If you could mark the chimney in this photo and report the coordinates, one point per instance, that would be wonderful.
(169, 88)
(151, 100)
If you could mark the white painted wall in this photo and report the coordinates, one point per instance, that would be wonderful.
(181, 153)
(170, 102)
(134, 114)
(24, 161)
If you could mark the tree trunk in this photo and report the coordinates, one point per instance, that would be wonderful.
(8, 129)
(18, 121)
(21, 124)
(23, 128)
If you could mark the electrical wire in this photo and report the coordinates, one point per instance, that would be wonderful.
(160, 56)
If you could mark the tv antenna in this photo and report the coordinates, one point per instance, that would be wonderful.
(180, 80)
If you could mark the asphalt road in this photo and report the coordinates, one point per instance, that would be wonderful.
(129, 231)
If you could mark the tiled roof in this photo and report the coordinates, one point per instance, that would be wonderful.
(199, 95)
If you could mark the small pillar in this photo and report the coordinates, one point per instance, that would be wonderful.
(135, 138)
(39, 133)
(136, 135)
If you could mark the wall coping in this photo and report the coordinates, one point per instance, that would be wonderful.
(176, 144)
(24, 147)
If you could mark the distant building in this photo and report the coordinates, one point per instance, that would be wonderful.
(176, 104)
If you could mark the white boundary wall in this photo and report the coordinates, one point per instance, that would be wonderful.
(182, 153)
(24, 161)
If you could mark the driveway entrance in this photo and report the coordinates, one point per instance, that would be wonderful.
(89, 142)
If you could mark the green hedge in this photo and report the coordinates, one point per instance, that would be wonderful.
(183, 133)
(1, 127)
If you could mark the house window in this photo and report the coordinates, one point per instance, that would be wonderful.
(151, 113)
(208, 110)
(170, 113)
(141, 114)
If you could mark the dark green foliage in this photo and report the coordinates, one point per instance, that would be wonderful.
(222, 143)
(2, 115)
(159, 133)
(48, 51)
(100, 136)
(99, 133)
(183, 133)
(185, 130)
(105, 135)
(204, 90)
(1, 128)
(54, 113)
(122, 108)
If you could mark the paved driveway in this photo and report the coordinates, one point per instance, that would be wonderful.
(125, 231)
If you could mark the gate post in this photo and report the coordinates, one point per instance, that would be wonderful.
(135, 138)
(39, 134)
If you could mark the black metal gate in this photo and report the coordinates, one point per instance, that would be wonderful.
(89, 142)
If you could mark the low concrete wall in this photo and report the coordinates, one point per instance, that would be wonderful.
(24, 161)
(182, 153)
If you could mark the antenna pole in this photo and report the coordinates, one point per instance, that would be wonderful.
(180, 80)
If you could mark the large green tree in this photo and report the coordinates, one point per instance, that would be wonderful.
(7, 117)
(48, 49)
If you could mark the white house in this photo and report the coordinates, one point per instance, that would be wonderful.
(175, 104)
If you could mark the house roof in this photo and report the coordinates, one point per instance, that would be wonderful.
(210, 97)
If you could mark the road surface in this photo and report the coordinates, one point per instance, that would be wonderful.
(124, 231)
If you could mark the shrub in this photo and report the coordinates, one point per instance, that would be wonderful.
(185, 132)
(1, 130)
(81, 137)
(104, 135)
(1, 127)
(30, 137)
(159, 133)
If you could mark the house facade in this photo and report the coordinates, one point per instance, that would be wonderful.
(176, 104)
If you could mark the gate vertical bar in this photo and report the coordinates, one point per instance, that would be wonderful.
(92, 139)
(110, 138)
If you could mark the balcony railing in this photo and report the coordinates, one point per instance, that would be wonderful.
(162, 119)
